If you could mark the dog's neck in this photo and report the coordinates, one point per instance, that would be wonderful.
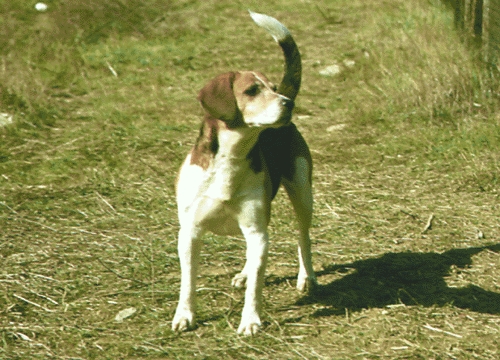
(235, 144)
(229, 166)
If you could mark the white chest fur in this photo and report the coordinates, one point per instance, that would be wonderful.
(222, 197)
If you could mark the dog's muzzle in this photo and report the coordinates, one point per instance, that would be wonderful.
(288, 105)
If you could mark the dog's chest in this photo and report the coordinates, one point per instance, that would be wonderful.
(217, 198)
(229, 179)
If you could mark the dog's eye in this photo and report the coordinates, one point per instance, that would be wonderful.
(274, 88)
(252, 90)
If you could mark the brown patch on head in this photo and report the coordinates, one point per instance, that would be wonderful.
(245, 98)
(253, 87)
(258, 101)
(218, 100)
(235, 100)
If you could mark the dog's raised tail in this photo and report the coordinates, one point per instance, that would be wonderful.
(290, 84)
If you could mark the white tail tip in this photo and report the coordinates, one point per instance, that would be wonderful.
(277, 30)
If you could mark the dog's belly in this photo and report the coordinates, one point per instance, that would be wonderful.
(223, 223)
(216, 216)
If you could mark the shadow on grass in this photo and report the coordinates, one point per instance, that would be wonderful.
(408, 278)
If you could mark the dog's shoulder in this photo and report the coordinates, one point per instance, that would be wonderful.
(207, 143)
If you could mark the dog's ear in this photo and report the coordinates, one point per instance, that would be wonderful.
(217, 98)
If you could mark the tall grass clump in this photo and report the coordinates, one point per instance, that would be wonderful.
(42, 51)
(420, 67)
(417, 85)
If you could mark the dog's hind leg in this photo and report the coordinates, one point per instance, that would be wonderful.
(240, 279)
(299, 190)
(189, 249)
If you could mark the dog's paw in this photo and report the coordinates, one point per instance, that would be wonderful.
(249, 325)
(307, 284)
(239, 281)
(183, 321)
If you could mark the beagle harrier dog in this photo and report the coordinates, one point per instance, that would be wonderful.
(246, 148)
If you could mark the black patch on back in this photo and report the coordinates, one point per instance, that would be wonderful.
(279, 147)
(275, 147)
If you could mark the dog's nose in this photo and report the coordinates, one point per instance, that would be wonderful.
(286, 102)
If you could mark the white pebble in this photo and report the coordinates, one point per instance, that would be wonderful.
(41, 6)
(331, 70)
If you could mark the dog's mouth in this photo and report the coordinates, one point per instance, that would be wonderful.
(284, 120)
(274, 116)
(286, 114)
(285, 117)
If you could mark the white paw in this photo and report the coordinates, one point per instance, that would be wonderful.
(239, 281)
(183, 320)
(249, 325)
(307, 284)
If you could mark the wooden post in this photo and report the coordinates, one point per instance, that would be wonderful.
(492, 33)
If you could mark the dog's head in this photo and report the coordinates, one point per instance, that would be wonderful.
(245, 99)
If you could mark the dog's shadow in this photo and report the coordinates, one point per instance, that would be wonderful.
(408, 278)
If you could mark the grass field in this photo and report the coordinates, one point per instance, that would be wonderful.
(102, 97)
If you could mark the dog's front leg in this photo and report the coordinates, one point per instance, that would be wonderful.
(189, 250)
(255, 267)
